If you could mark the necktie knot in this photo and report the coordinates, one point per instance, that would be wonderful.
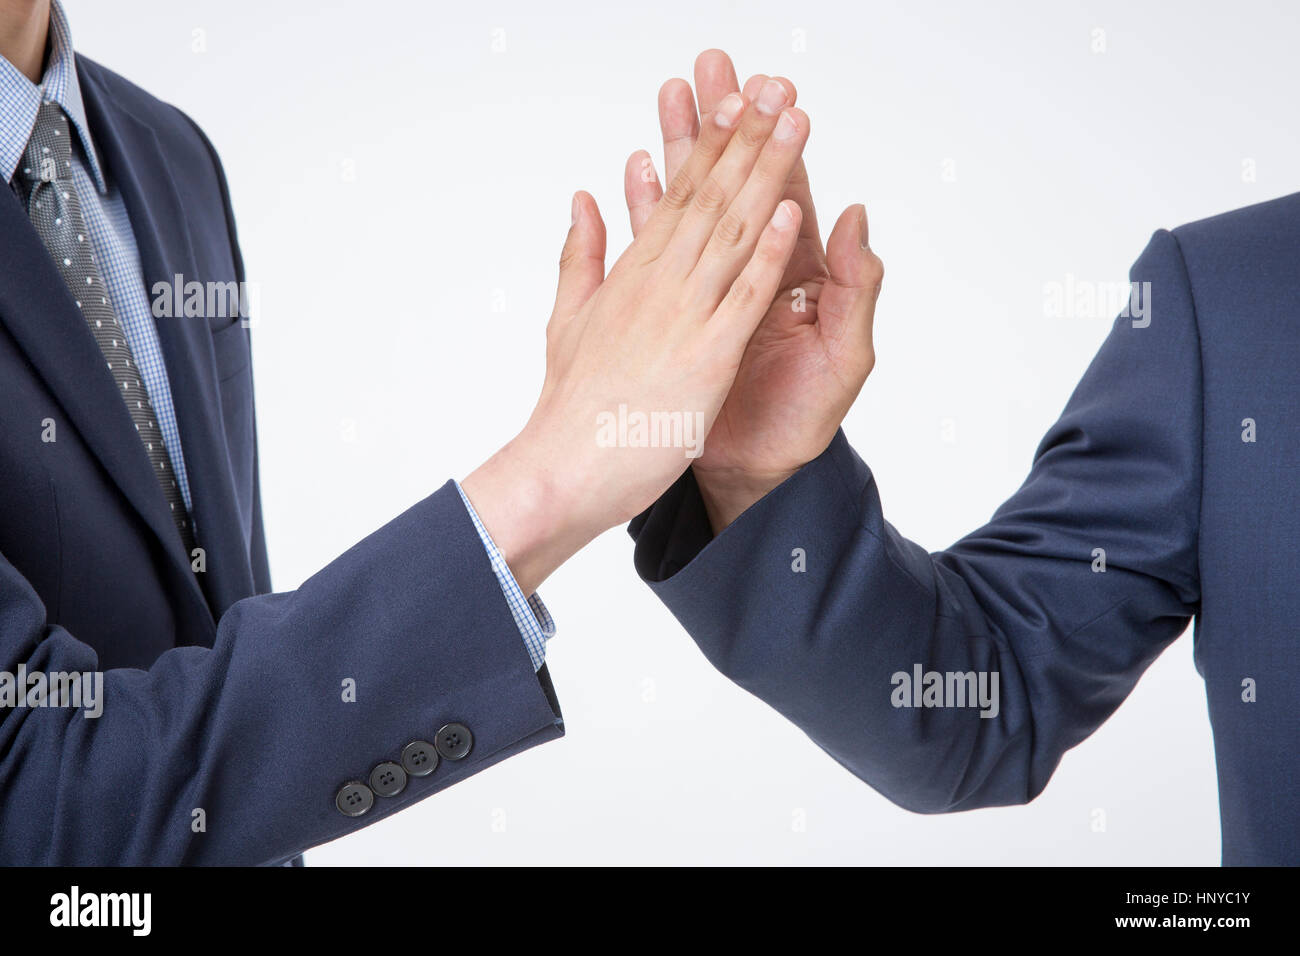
(48, 157)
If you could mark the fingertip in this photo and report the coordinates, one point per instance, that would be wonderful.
(678, 117)
(851, 233)
(709, 57)
(849, 257)
(790, 126)
(786, 216)
(584, 209)
(715, 65)
(715, 77)
(640, 179)
(636, 166)
(753, 85)
(673, 91)
(729, 111)
(790, 89)
(847, 227)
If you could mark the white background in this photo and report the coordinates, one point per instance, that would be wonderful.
(402, 191)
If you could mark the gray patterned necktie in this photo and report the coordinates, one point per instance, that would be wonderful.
(55, 211)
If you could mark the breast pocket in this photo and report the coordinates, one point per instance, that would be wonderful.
(233, 356)
(230, 349)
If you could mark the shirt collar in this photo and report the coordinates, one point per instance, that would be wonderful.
(20, 100)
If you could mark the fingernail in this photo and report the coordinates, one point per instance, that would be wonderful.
(786, 127)
(863, 223)
(771, 98)
(783, 218)
(577, 209)
(729, 110)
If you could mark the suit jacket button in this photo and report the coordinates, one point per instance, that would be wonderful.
(419, 758)
(388, 779)
(453, 741)
(354, 799)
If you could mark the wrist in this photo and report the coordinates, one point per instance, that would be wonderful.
(529, 510)
(728, 493)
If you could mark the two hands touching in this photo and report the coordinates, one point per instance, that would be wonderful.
(725, 305)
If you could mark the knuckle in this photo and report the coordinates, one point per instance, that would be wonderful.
(643, 258)
(874, 272)
(678, 193)
(743, 293)
(711, 198)
(751, 137)
(772, 249)
(730, 230)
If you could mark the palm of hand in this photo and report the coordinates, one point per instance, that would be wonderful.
(775, 418)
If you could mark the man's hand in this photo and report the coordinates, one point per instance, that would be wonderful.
(812, 351)
(664, 333)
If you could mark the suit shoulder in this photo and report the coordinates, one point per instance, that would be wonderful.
(1240, 269)
(1272, 222)
(174, 127)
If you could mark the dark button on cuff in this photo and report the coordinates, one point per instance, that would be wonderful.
(388, 779)
(419, 758)
(454, 741)
(354, 799)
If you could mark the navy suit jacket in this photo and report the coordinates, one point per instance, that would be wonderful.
(218, 696)
(1148, 461)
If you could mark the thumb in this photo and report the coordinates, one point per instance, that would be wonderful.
(582, 264)
(846, 307)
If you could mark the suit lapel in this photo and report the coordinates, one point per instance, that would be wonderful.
(39, 312)
(140, 168)
(37, 309)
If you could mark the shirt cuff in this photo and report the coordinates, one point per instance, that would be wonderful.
(535, 624)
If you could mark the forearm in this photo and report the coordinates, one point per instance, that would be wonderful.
(808, 603)
(301, 692)
(815, 604)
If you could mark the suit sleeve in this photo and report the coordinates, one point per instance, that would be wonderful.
(259, 731)
(1116, 478)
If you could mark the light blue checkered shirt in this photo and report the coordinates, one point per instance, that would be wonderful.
(530, 614)
(118, 258)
